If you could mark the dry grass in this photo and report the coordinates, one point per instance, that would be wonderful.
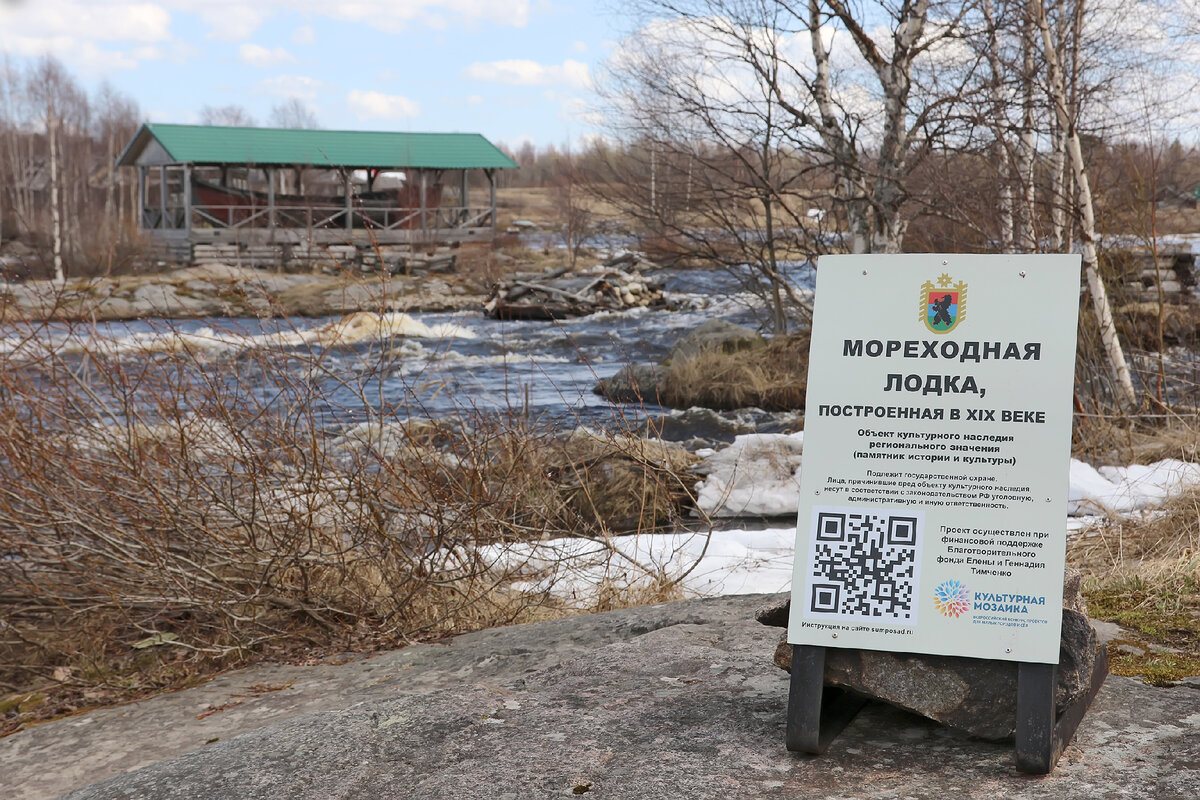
(773, 378)
(1132, 441)
(543, 205)
(1145, 575)
(626, 484)
(1138, 325)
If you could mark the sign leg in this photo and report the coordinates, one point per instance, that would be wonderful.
(1035, 718)
(816, 715)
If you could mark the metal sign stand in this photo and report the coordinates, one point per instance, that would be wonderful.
(817, 714)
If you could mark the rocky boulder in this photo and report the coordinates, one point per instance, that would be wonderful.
(715, 334)
(634, 383)
(977, 696)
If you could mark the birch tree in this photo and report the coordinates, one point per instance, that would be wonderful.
(54, 93)
(1057, 88)
(765, 109)
(873, 179)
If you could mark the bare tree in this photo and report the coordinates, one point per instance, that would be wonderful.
(763, 110)
(293, 113)
(1126, 397)
(117, 119)
(705, 164)
(577, 225)
(60, 104)
(231, 115)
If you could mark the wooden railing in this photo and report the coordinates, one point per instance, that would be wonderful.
(328, 216)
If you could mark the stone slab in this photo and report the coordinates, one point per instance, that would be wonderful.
(671, 701)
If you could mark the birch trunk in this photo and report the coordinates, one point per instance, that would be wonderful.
(841, 149)
(999, 115)
(876, 221)
(1126, 397)
(1058, 192)
(55, 210)
(1026, 239)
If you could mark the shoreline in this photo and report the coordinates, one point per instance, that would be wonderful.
(222, 290)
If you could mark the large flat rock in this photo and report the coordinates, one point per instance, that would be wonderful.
(671, 701)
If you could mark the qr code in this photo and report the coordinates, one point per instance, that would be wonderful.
(865, 565)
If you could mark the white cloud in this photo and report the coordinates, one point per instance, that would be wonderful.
(233, 23)
(377, 105)
(399, 15)
(304, 35)
(102, 21)
(236, 20)
(523, 72)
(301, 87)
(579, 47)
(259, 56)
(83, 35)
(475, 100)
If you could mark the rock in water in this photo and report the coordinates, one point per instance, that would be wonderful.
(715, 334)
(634, 383)
(977, 696)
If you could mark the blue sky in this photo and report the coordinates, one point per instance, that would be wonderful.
(512, 70)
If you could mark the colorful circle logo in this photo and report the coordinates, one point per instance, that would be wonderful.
(951, 598)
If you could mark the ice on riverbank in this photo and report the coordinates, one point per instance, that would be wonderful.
(1121, 490)
(720, 563)
(756, 476)
(759, 476)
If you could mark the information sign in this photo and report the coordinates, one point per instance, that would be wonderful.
(936, 455)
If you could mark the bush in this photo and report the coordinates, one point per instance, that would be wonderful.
(167, 512)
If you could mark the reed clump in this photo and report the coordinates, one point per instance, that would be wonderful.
(773, 378)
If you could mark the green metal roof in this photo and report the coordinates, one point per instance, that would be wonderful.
(210, 144)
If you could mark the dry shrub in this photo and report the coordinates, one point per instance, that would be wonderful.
(1098, 440)
(1138, 325)
(171, 513)
(668, 249)
(773, 378)
(625, 484)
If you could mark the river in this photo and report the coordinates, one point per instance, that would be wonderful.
(449, 363)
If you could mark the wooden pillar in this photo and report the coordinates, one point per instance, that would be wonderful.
(187, 198)
(271, 198)
(162, 197)
(423, 184)
(463, 193)
(491, 175)
(349, 206)
(141, 197)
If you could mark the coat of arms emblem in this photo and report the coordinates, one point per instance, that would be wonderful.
(943, 304)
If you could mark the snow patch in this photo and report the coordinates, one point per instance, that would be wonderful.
(756, 476)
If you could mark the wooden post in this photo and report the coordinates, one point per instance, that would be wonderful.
(162, 197)
(187, 198)
(491, 175)
(463, 192)
(271, 198)
(422, 201)
(141, 197)
(349, 207)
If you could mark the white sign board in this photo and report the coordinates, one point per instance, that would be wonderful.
(936, 455)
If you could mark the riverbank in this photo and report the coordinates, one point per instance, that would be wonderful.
(223, 290)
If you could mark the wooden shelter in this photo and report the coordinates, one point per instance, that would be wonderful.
(276, 192)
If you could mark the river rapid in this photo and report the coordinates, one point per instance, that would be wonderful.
(437, 365)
